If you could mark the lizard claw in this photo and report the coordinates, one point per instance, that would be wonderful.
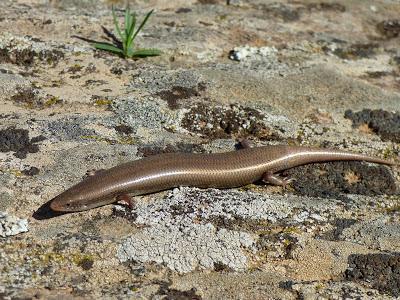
(92, 172)
(276, 179)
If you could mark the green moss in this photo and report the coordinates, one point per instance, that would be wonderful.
(85, 261)
(291, 229)
(388, 152)
(292, 142)
(15, 172)
(51, 101)
(248, 187)
(126, 140)
(42, 258)
(102, 102)
(56, 83)
(222, 17)
(300, 135)
(35, 85)
(75, 68)
(50, 257)
(171, 128)
(393, 209)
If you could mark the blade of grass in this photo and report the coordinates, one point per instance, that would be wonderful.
(143, 22)
(127, 35)
(108, 47)
(129, 43)
(116, 24)
(146, 52)
(127, 21)
(130, 25)
(129, 52)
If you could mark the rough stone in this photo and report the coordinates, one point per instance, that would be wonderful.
(302, 65)
(184, 217)
(379, 270)
(384, 123)
(11, 225)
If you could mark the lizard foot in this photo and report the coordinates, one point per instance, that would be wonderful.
(275, 179)
(245, 143)
(127, 200)
(92, 172)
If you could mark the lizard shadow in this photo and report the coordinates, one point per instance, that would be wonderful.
(45, 212)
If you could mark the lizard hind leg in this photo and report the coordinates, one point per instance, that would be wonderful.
(245, 143)
(275, 179)
(126, 200)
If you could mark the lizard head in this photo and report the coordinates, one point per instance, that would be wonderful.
(82, 196)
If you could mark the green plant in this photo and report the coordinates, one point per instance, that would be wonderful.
(127, 35)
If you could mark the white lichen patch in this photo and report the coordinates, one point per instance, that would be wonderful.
(20, 43)
(184, 249)
(11, 225)
(247, 52)
(181, 232)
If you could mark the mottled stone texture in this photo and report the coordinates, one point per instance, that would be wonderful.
(308, 72)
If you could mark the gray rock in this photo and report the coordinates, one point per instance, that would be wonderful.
(181, 233)
(379, 234)
(336, 290)
(11, 225)
(184, 249)
(247, 52)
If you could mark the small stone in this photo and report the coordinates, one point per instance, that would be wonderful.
(11, 225)
(241, 53)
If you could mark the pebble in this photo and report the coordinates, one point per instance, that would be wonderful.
(11, 225)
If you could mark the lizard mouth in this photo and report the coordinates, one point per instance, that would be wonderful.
(67, 205)
(55, 205)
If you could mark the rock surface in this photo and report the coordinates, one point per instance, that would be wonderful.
(315, 73)
(10, 225)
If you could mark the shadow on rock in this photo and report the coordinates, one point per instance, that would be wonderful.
(45, 212)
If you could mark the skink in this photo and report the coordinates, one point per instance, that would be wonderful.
(218, 170)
